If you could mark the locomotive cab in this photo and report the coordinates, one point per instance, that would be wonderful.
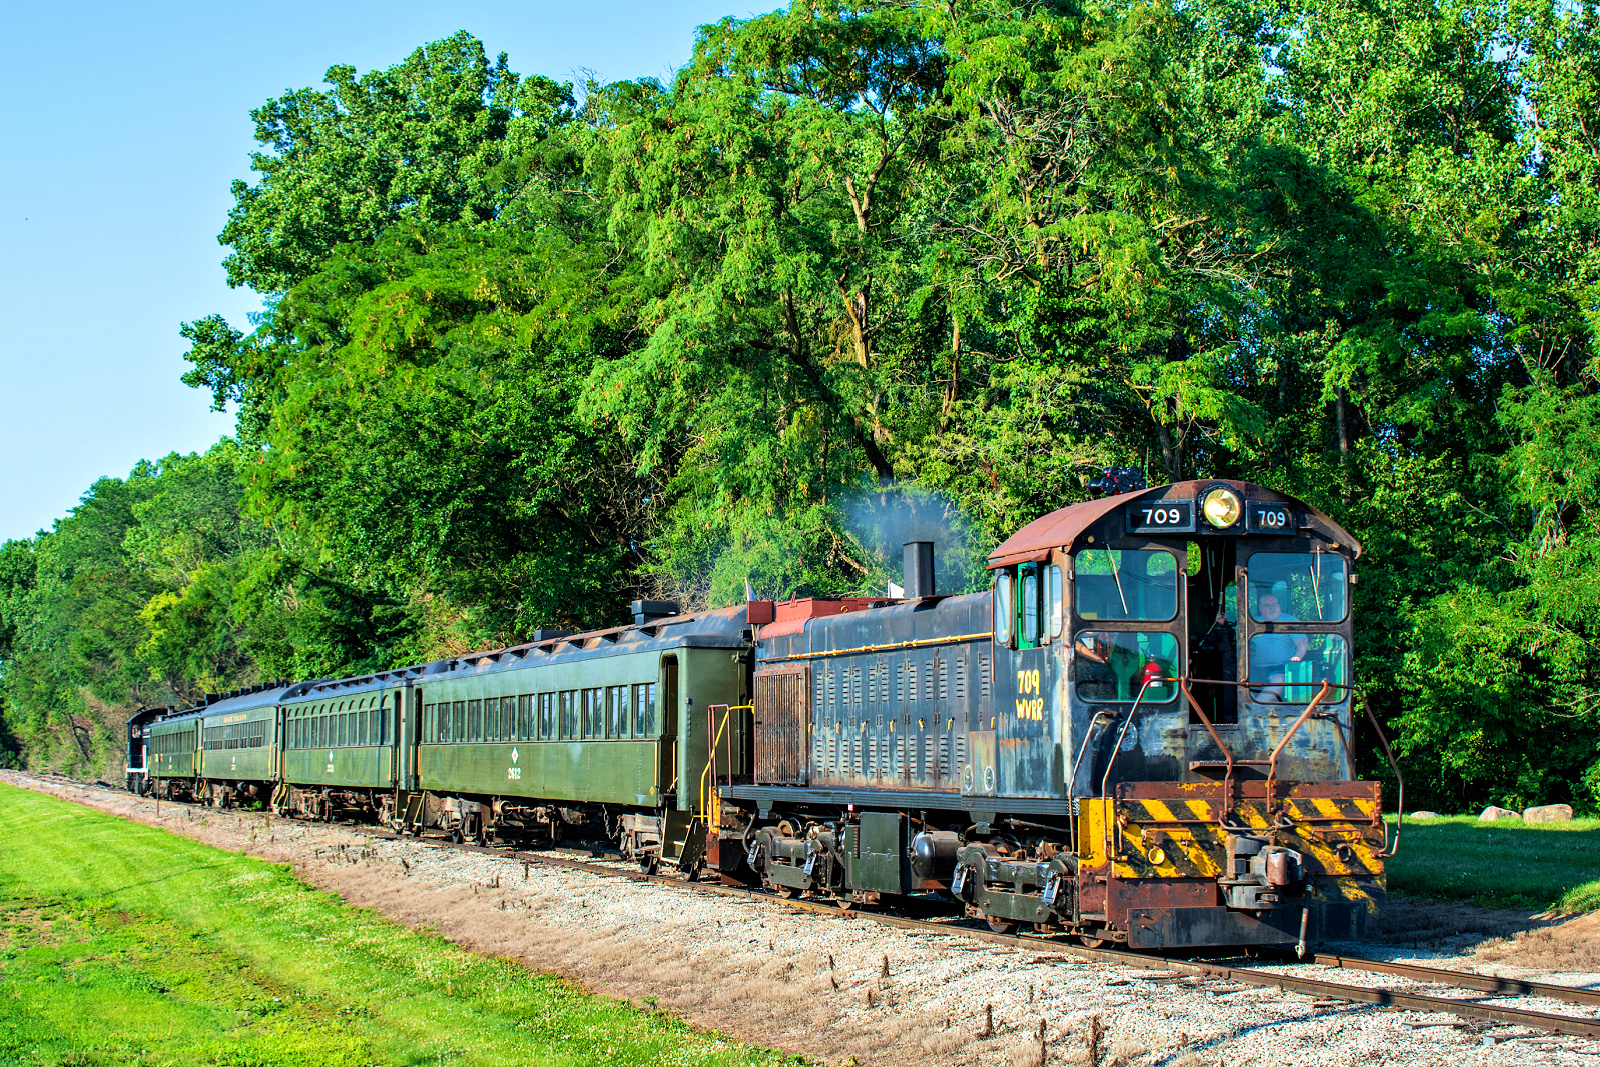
(1177, 662)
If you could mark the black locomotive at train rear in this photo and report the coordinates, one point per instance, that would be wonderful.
(1139, 734)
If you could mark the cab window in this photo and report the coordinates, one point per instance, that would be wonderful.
(1053, 594)
(1028, 605)
(1125, 584)
(1003, 606)
(1116, 666)
(1297, 587)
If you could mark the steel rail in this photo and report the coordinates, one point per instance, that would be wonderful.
(1393, 999)
(1486, 983)
(1378, 997)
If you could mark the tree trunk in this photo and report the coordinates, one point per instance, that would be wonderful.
(1171, 452)
(955, 374)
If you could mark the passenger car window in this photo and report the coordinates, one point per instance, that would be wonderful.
(1125, 584)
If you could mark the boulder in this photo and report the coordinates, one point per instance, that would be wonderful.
(1491, 813)
(1548, 813)
(1426, 815)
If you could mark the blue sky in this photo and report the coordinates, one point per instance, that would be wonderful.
(121, 128)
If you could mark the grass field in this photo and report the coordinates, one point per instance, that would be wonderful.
(1505, 864)
(125, 945)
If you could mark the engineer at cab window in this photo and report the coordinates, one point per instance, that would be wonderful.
(1271, 654)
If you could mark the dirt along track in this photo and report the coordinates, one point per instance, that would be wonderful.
(830, 989)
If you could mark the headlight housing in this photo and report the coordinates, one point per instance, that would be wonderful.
(1221, 507)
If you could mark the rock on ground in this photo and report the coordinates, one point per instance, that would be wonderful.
(1548, 813)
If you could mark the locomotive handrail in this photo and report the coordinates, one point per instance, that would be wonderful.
(1105, 779)
(1272, 765)
(1256, 685)
(1389, 848)
(1227, 779)
(1072, 783)
(711, 760)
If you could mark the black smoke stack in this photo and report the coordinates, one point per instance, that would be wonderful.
(919, 569)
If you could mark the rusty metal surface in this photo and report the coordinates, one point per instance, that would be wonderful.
(781, 713)
(1485, 983)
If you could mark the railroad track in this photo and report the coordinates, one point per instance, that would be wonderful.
(1389, 998)
(1383, 997)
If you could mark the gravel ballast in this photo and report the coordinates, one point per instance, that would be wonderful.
(831, 988)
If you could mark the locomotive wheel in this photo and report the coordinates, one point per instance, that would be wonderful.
(1091, 942)
(650, 863)
(787, 892)
(1000, 926)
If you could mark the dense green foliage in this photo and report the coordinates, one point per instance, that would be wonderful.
(103, 965)
(534, 349)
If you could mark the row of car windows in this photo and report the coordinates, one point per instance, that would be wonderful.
(331, 726)
(613, 712)
(172, 743)
(235, 735)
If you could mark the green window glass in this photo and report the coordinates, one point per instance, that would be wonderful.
(1298, 587)
(1028, 605)
(474, 720)
(1113, 666)
(525, 717)
(1119, 584)
(1289, 668)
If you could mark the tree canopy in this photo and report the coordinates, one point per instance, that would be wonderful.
(532, 349)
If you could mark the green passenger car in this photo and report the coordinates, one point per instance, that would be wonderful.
(341, 746)
(607, 729)
(174, 754)
(222, 752)
(579, 727)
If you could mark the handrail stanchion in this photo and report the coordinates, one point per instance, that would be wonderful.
(1272, 764)
(1105, 832)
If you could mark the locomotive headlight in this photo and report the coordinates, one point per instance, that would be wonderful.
(1157, 857)
(1221, 506)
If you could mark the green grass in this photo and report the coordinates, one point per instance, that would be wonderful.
(1505, 864)
(122, 944)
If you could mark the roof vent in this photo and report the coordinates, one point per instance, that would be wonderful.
(647, 611)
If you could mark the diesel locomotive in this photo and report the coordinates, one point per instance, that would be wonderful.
(1140, 733)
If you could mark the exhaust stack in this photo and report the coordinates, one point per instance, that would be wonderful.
(919, 569)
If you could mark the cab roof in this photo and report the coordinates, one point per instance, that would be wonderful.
(1062, 528)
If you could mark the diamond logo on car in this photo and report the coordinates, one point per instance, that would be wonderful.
(513, 754)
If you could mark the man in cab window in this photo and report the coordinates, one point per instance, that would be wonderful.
(1271, 654)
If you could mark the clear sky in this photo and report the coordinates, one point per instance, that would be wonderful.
(121, 126)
